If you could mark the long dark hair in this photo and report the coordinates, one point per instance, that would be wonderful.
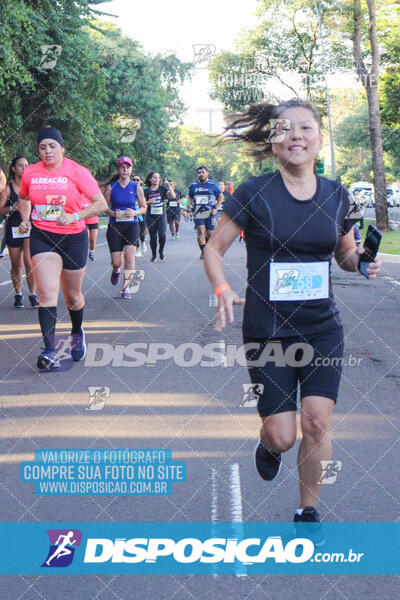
(147, 181)
(11, 173)
(254, 125)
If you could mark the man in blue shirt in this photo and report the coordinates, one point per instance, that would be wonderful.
(206, 198)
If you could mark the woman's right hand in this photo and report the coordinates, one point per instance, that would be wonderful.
(24, 226)
(226, 300)
(118, 214)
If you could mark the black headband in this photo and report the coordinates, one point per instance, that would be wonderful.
(50, 133)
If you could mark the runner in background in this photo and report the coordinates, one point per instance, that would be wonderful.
(225, 194)
(174, 212)
(156, 195)
(18, 243)
(92, 225)
(142, 249)
(55, 187)
(206, 198)
(123, 196)
(3, 183)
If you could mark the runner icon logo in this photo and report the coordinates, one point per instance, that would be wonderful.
(133, 279)
(279, 128)
(330, 471)
(202, 55)
(64, 348)
(63, 543)
(50, 54)
(286, 280)
(98, 396)
(251, 394)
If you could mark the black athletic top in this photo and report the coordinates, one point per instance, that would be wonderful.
(154, 211)
(281, 229)
(14, 219)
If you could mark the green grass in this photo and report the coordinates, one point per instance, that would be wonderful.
(390, 243)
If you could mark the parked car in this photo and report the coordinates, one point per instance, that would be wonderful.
(390, 197)
(363, 191)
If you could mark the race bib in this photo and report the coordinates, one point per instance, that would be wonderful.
(156, 210)
(203, 200)
(17, 234)
(298, 281)
(124, 218)
(172, 203)
(48, 212)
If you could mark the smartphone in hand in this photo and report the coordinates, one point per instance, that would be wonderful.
(371, 246)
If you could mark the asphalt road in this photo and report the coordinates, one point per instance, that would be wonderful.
(195, 412)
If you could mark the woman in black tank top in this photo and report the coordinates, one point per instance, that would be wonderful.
(18, 247)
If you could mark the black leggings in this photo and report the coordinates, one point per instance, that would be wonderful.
(142, 227)
(157, 226)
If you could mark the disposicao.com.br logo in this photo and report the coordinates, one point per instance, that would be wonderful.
(192, 550)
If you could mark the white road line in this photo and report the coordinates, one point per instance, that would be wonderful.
(392, 281)
(236, 503)
(9, 281)
(214, 504)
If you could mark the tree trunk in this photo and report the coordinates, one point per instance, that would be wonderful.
(381, 209)
(370, 82)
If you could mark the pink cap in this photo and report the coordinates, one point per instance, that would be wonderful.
(124, 160)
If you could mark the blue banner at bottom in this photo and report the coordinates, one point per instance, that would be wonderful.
(190, 548)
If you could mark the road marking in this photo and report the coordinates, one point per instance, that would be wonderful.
(236, 503)
(392, 281)
(10, 281)
(214, 504)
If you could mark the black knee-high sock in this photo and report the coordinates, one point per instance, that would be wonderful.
(202, 246)
(161, 241)
(47, 321)
(76, 319)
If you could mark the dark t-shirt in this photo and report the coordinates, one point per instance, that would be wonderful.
(173, 204)
(159, 195)
(281, 229)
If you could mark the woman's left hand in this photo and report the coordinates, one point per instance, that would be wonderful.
(130, 213)
(373, 267)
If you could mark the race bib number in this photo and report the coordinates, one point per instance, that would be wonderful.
(202, 200)
(48, 212)
(156, 210)
(173, 203)
(17, 234)
(298, 281)
(124, 217)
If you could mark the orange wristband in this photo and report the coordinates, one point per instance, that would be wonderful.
(221, 288)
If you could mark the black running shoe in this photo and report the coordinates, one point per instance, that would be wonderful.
(33, 299)
(153, 259)
(18, 302)
(162, 256)
(268, 463)
(308, 525)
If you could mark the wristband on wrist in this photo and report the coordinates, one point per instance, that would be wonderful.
(76, 216)
(221, 288)
(10, 209)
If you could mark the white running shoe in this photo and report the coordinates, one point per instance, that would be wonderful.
(138, 253)
(143, 247)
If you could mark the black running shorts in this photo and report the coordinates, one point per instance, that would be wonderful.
(120, 235)
(315, 362)
(72, 247)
